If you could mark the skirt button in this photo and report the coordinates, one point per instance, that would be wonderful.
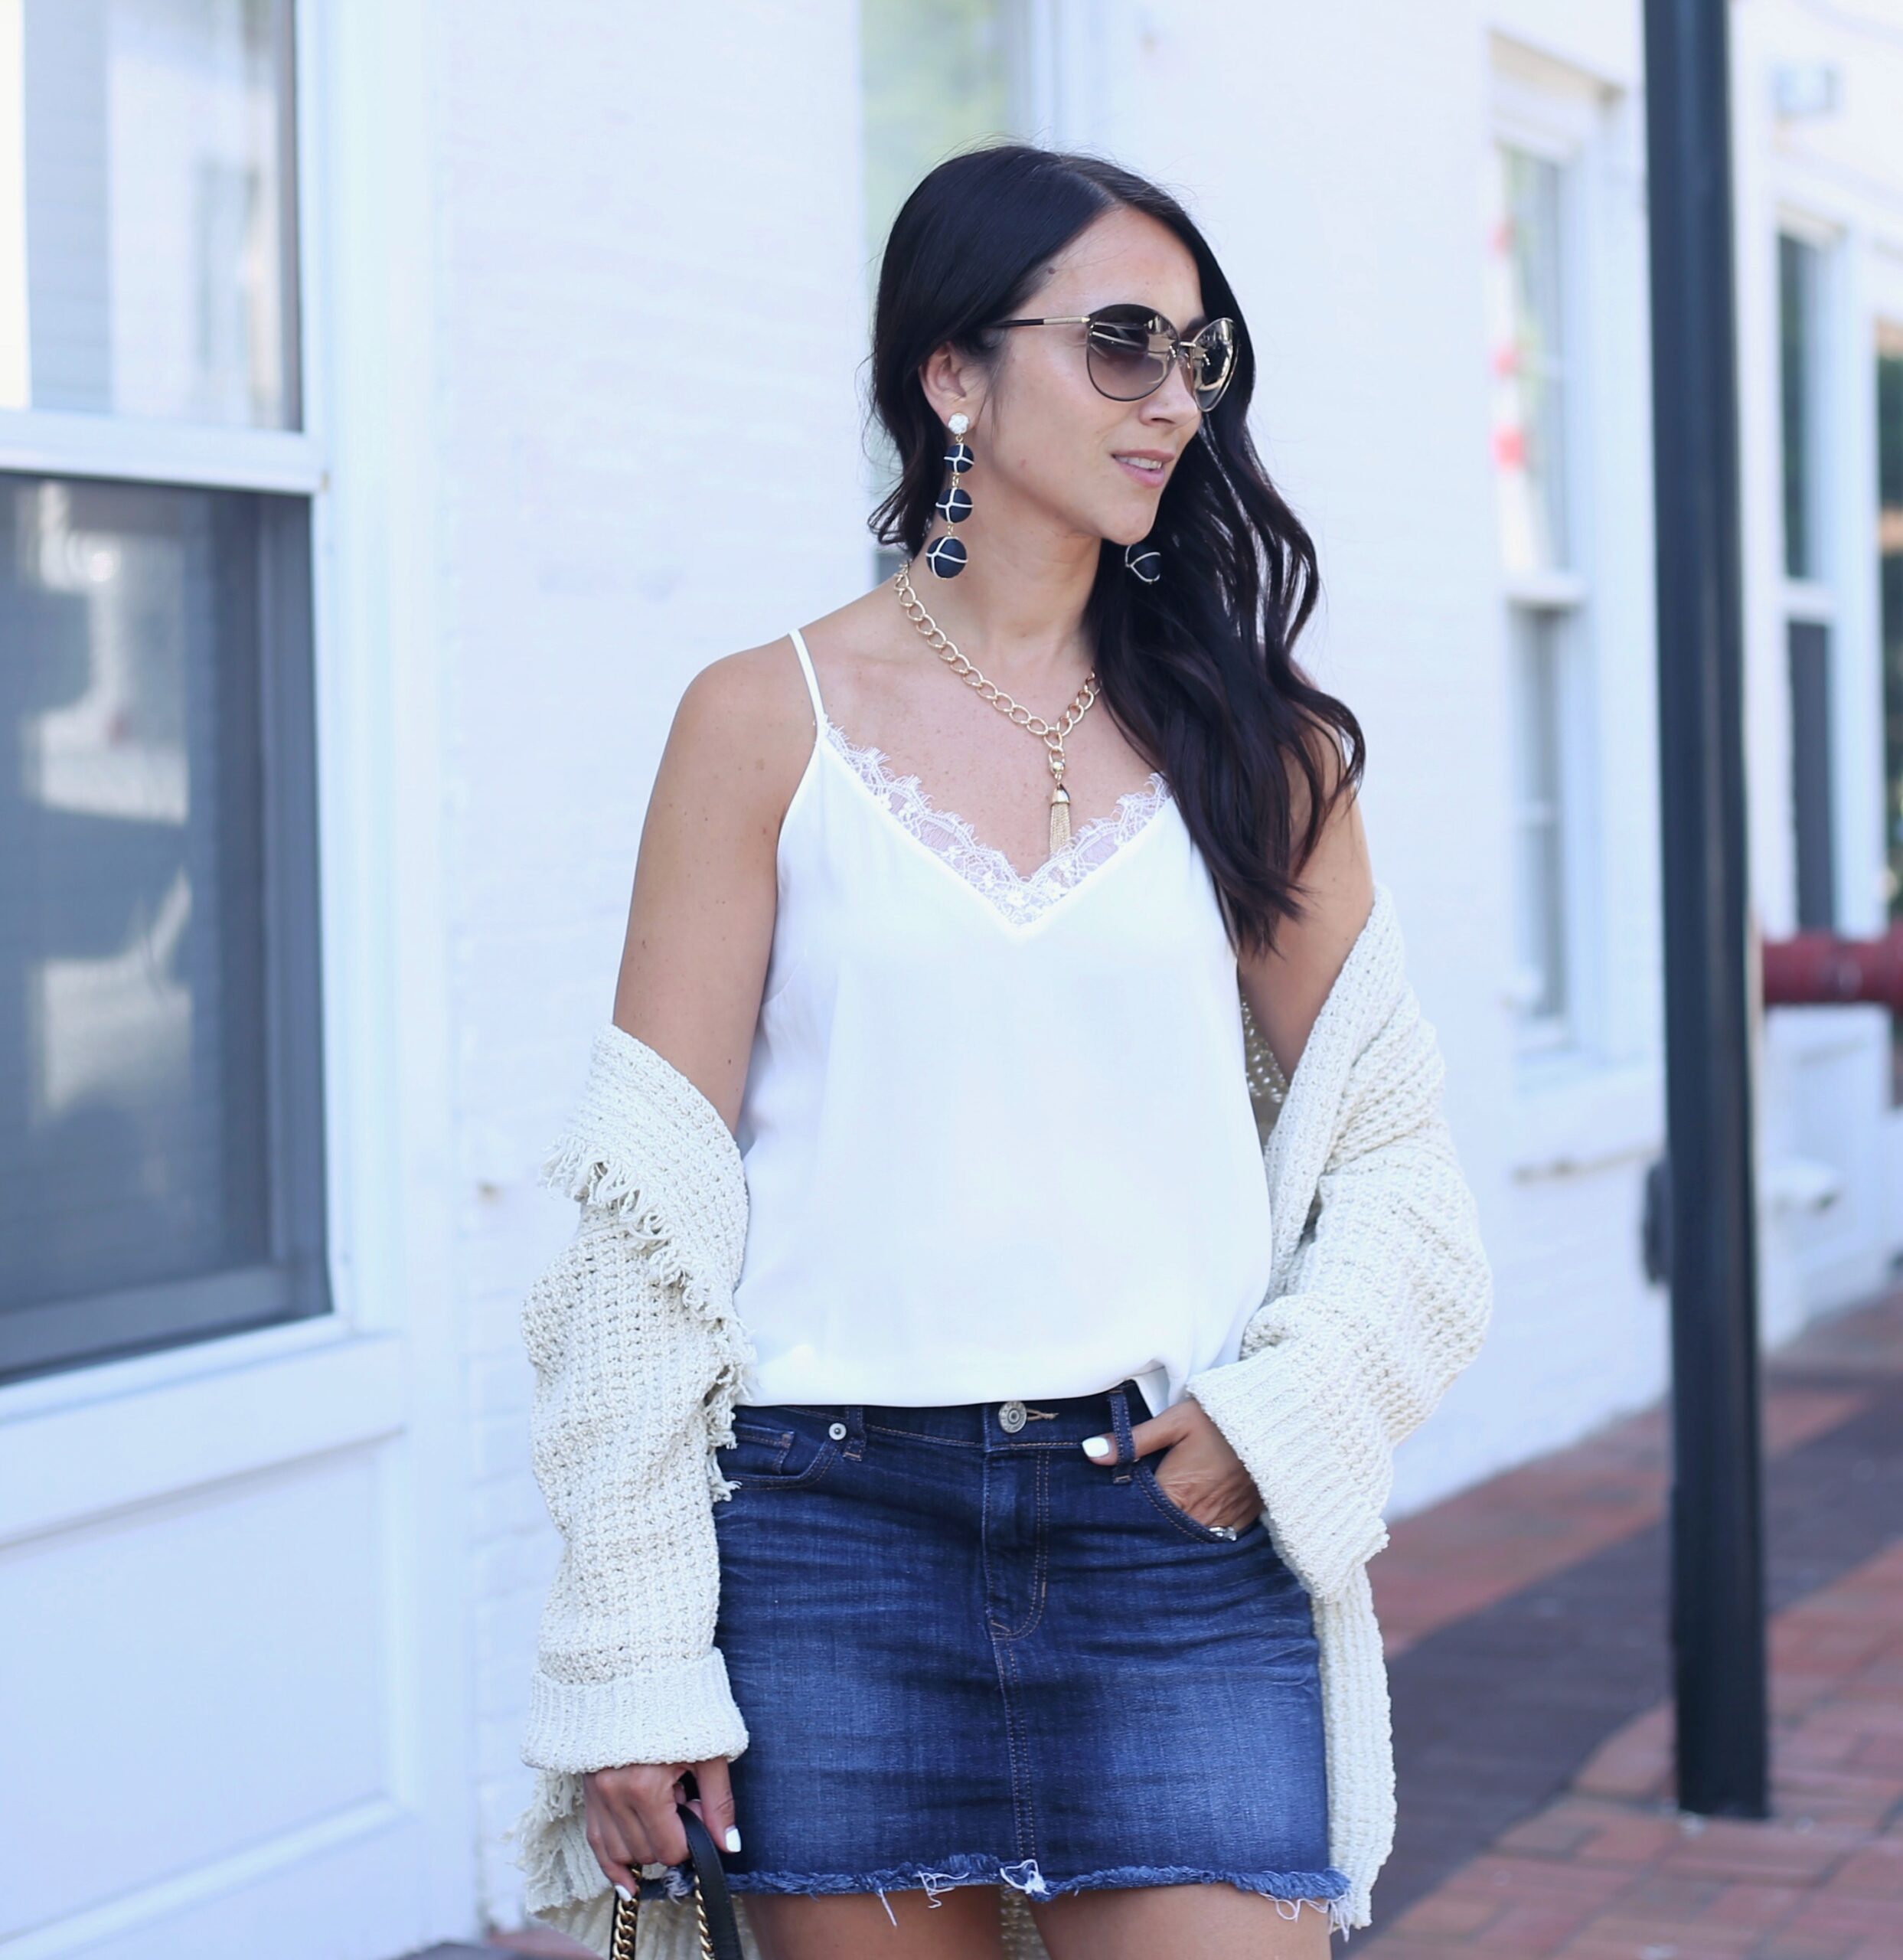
(1010, 1415)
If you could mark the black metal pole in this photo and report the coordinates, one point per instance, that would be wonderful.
(1717, 1605)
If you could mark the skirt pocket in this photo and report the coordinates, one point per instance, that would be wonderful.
(777, 1449)
(1186, 1521)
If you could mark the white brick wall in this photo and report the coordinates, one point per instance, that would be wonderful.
(652, 314)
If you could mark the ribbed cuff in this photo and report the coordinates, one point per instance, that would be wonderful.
(1319, 1521)
(683, 1714)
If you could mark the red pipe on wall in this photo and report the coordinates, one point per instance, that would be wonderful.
(1820, 969)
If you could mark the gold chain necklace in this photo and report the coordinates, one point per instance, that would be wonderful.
(1052, 734)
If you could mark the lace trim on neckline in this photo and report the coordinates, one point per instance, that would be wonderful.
(983, 866)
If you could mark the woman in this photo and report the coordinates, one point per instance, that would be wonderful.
(967, 1455)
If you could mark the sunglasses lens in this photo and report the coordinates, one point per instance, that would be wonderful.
(1130, 349)
(1216, 346)
(1127, 356)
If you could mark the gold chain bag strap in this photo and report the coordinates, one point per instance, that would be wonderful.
(713, 1903)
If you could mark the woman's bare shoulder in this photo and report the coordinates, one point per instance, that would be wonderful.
(754, 702)
(746, 721)
(1286, 989)
(701, 915)
(750, 707)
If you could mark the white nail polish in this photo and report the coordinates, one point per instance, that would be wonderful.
(732, 1840)
(624, 1893)
(1098, 1446)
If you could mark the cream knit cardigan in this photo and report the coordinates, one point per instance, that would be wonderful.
(1379, 1295)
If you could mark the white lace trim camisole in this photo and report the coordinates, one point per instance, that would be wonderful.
(997, 1131)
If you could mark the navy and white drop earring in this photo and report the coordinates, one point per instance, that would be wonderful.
(946, 554)
(1143, 561)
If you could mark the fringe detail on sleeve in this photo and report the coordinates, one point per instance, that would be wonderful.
(558, 1865)
(646, 1145)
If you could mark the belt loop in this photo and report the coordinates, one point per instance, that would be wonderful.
(855, 1430)
(1120, 1422)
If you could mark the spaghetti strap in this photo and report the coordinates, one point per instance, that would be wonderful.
(812, 679)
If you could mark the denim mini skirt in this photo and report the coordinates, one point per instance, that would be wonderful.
(966, 1653)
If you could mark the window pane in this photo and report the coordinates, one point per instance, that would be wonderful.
(1540, 815)
(1526, 323)
(1808, 652)
(146, 1187)
(1799, 270)
(145, 244)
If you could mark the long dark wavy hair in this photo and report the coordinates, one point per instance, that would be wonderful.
(1198, 670)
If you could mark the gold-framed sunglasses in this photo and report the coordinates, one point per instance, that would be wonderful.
(1129, 349)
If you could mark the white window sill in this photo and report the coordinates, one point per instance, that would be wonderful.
(1574, 1112)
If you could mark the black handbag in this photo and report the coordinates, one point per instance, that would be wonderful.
(713, 1903)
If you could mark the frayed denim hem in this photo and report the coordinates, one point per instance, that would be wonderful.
(1325, 1888)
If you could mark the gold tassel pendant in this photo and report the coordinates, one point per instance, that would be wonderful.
(1059, 818)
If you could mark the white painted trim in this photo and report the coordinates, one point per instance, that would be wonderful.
(1518, 125)
(1554, 120)
(40, 441)
(1814, 600)
(1073, 48)
(315, 88)
(132, 1915)
(16, 339)
(109, 1379)
(1572, 1117)
(62, 1466)
(389, 1015)
(1789, 213)
(1555, 591)
(1552, 88)
(1036, 33)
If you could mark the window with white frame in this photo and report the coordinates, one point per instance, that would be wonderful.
(1532, 278)
(934, 80)
(1809, 604)
(160, 1131)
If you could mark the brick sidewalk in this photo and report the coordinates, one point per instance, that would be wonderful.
(1521, 1614)
(1610, 1870)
